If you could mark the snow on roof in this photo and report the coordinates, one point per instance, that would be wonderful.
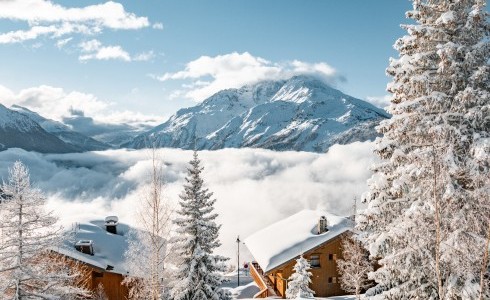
(108, 248)
(288, 238)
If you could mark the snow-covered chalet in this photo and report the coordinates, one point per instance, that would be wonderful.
(98, 248)
(315, 234)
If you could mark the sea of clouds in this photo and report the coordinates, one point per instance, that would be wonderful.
(253, 187)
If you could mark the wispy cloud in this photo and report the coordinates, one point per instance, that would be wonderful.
(144, 56)
(94, 49)
(257, 184)
(237, 69)
(381, 102)
(158, 26)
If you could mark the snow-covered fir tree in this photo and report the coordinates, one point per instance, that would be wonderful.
(200, 271)
(427, 219)
(147, 249)
(299, 281)
(28, 267)
(354, 267)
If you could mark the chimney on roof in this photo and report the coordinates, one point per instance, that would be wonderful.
(322, 225)
(111, 224)
(85, 246)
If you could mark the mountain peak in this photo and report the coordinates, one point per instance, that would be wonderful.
(300, 113)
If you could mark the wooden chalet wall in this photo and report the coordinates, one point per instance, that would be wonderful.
(112, 283)
(325, 279)
(93, 276)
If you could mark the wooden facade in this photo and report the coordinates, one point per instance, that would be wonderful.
(93, 276)
(325, 276)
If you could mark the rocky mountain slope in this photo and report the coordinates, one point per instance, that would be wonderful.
(302, 113)
(75, 139)
(20, 131)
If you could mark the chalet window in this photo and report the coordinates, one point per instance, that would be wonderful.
(330, 257)
(330, 279)
(315, 261)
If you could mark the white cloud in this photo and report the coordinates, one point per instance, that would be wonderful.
(109, 14)
(47, 19)
(56, 103)
(237, 69)
(94, 50)
(55, 31)
(62, 43)
(158, 26)
(253, 187)
(381, 102)
(144, 56)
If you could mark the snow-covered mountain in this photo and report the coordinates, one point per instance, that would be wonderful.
(77, 140)
(20, 131)
(301, 113)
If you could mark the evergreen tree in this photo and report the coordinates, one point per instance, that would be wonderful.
(354, 267)
(298, 286)
(427, 220)
(28, 269)
(198, 277)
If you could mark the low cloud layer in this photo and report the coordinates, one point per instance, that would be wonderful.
(58, 104)
(253, 187)
(208, 75)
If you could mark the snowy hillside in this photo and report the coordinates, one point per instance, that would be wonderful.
(63, 132)
(20, 131)
(301, 113)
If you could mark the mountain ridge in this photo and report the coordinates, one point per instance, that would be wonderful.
(301, 113)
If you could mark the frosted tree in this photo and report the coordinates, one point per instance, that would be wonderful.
(299, 281)
(199, 274)
(29, 269)
(147, 250)
(99, 293)
(426, 219)
(354, 267)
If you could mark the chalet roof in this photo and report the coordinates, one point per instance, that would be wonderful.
(108, 248)
(283, 241)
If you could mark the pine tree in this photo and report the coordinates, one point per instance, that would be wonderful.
(354, 267)
(28, 267)
(298, 286)
(199, 275)
(426, 220)
(147, 249)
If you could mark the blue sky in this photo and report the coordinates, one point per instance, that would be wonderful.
(115, 62)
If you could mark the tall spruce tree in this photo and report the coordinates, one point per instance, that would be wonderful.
(427, 218)
(298, 286)
(28, 269)
(199, 275)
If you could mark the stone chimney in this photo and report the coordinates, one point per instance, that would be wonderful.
(322, 225)
(111, 224)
